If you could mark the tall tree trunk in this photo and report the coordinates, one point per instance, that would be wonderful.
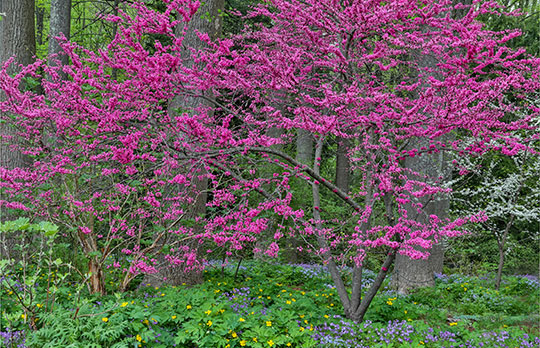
(206, 20)
(17, 38)
(304, 147)
(60, 23)
(304, 154)
(408, 273)
(40, 23)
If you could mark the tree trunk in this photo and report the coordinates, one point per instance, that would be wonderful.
(97, 279)
(355, 306)
(410, 274)
(502, 243)
(206, 20)
(90, 248)
(304, 147)
(17, 38)
(40, 24)
(343, 165)
(60, 23)
(304, 154)
(17, 31)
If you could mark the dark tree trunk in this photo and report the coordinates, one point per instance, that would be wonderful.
(501, 242)
(17, 38)
(355, 306)
(40, 23)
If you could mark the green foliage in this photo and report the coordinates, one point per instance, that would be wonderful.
(275, 305)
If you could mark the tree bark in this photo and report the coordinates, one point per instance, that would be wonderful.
(60, 23)
(408, 273)
(17, 38)
(206, 20)
(304, 147)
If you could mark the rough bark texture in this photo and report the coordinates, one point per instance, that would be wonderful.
(17, 38)
(206, 20)
(304, 147)
(17, 31)
(410, 274)
(60, 23)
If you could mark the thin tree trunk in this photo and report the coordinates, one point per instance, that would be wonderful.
(355, 307)
(502, 243)
(321, 241)
(360, 312)
(116, 4)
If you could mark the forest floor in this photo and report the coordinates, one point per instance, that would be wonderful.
(277, 305)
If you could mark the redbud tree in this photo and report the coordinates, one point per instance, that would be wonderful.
(116, 169)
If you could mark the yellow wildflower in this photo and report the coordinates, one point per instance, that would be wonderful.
(105, 319)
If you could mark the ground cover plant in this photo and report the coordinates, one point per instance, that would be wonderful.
(276, 305)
